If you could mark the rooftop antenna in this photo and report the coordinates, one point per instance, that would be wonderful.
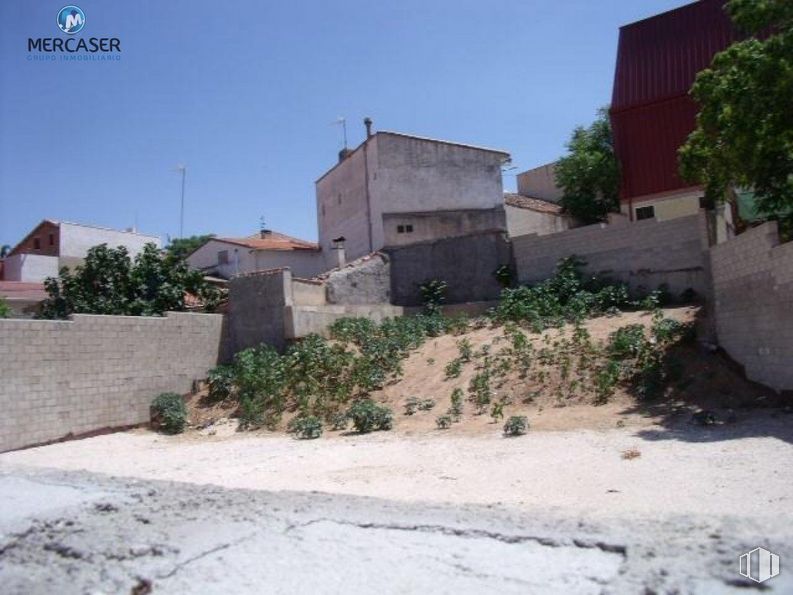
(341, 120)
(183, 170)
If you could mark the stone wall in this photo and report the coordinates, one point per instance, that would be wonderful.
(467, 264)
(62, 378)
(644, 254)
(753, 305)
(365, 281)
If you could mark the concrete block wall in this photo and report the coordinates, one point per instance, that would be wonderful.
(467, 264)
(753, 304)
(95, 372)
(643, 254)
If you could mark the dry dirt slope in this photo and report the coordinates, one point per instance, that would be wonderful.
(706, 382)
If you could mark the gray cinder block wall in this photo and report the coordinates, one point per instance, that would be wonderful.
(753, 305)
(72, 377)
(644, 254)
(467, 264)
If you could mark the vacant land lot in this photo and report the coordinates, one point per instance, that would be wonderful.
(557, 512)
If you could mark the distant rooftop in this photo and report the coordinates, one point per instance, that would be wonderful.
(533, 204)
(272, 240)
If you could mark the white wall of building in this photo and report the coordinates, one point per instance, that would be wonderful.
(76, 239)
(405, 175)
(540, 182)
(525, 221)
(30, 268)
(241, 260)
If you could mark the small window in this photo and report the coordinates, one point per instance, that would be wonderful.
(408, 229)
(404, 229)
(52, 239)
(323, 210)
(37, 243)
(704, 203)
(400, 229)
(339, 198)
(645, 213)
(223, 257)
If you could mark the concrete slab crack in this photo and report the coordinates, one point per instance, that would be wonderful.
(204, 554)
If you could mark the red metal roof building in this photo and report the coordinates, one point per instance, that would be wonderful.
(652, 113)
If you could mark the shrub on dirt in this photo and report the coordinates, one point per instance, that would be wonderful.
(338, 421)
(480, 390)
(5, 309)
(368, 416)
(306, 427)
(456, 410)
(411, 405)
(169, 413)
(426, 404)
(444, 422)
(221, 382)
(627, 342)
(565, 297)
(453, 369)
(517, 425)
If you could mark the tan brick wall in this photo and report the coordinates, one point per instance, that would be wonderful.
(94, 372)
(643, 254)
(753, 306)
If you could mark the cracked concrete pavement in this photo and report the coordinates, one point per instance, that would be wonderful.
(78, 532)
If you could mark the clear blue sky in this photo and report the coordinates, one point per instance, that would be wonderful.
(245, 93)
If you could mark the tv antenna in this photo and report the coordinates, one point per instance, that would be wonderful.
(342, 121)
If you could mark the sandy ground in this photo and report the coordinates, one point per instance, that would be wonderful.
(688, 469)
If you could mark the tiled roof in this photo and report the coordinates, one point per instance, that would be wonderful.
(272, 241)
(533, 204)
(18, 290)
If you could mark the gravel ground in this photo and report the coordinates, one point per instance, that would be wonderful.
(551, 512)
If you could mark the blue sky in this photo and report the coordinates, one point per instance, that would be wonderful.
(245, 93)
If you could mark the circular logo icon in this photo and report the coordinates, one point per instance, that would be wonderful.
(71, 19)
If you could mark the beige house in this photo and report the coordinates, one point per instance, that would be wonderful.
(228, 257)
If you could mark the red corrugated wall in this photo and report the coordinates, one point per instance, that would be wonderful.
(651, 111)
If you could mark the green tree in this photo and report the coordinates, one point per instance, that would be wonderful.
(5, 250)
(182, 247)
(744, 133)
(109, 282)
(589, 176)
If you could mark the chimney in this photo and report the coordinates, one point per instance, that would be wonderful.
(263, 231)
(344, 153)
(339, 254)
(367, 121)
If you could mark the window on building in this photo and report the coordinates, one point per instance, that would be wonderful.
(223, 257)
(704, 203)
(645, 213)
(408, 229)
(404, 229)
(339, 198)
(52, 239)
(37, 243)
(400, 229)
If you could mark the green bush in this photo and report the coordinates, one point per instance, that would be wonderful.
(433, 294)
(453, 369)
(606, 380)
(481, 391)
(252, 413)
(411, 405)
(426, 404)
(444, 422)
(338, 421)
(5, 309)
(368, 416)
(456, 410)
(627, 342)
(565, 297)
(221, 382)
(517, 425)
(169, 413)
(306, 427)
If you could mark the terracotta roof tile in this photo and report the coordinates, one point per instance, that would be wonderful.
(272, 241)
(533, 204)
